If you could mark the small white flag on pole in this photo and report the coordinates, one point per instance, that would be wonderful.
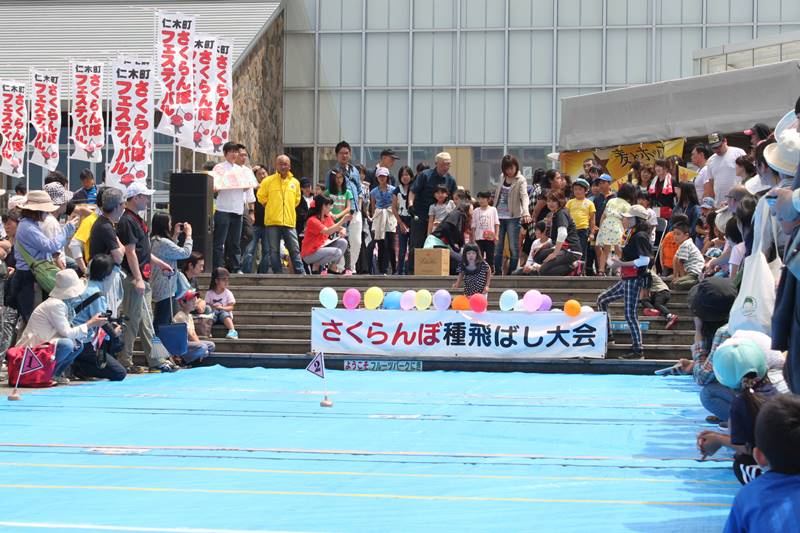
(317, 365)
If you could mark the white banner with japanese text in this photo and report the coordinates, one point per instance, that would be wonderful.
(205, 79)
(224, 95)
(541, 335)
(132, 120)
(45, 118)
(14, 128)
(86, 83)
(174, 47)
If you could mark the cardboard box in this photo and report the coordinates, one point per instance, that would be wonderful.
(432, 262)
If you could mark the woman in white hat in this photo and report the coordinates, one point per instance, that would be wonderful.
(50, 322)
(37, 245)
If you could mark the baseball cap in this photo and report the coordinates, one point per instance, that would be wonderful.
(136, 188)
(760, 129)
(188, 295)
(604, 177)
(708, 203)
(381, 171)
(735, 358)
(638, 211)
(715, 139)
(390, 153)
(305, 182)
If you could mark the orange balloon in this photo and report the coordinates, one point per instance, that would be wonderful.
(461, 303)
(572, 308)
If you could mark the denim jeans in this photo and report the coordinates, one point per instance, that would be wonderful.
(508, 227)
(66, 352)
(259, 236)
(717, 399)
(227, 234)
(289, 236)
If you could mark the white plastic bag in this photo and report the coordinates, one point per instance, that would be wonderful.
(753, 307)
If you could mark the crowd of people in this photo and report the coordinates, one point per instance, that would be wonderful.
(101, 267)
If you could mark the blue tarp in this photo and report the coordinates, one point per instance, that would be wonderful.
(215, 449)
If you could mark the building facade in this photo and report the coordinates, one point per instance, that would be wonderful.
(481, 78)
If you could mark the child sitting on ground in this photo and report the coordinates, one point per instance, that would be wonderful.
(221, 300)
(689, 263)
(198, 350)
(740, 364)
(473, 271)
(655, 300)
(439, 210)
(772, 502)
(485, 226)
(540, 248)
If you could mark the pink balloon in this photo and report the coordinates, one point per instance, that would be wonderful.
(478, 303)
(546, 304)
(532, 300)
(351, 298)
(408, 300)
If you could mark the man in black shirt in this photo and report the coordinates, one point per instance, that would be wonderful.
(420, 199)
(103, 237)
(133, 234)
(388, 157)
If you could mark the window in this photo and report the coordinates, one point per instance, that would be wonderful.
(432, 116)
(388, 15)
(479, 58)
(576, 13)
(340, 14)
(430, 14)
(481, 116)
(483, 13)
(530, 116)
(579, 56)
(387, 60)
(386, 115)
(298, 112)
(340, 60)
(530, 13)
(433, 59)
(299, 60)
(339, 116)
(627, 56)
(530, 60)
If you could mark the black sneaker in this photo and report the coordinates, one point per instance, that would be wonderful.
(632, 355)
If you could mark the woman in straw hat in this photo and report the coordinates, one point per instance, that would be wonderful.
(37, 245)
(50, 322)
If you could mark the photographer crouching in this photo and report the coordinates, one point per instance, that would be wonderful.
(97, 361)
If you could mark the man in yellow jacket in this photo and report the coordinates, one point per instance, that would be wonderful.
(280, 194)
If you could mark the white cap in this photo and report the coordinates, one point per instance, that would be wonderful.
(382, 171)
(138, 187)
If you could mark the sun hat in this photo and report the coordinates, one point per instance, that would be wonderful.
(735, 358)
(57, 193)
(784, 156)
(444, 157)
(638, 211)
(38, 201)
(68, 285)
(708, 203)
(15, 201)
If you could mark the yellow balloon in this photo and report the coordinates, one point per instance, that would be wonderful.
(373, 298)
(572, 308)
(424, 299)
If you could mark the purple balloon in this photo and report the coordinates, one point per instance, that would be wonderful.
(408, 300)
(532, 300)
(441, 300)
(351, 298)
(546, 304)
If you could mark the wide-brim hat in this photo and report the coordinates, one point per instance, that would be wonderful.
(38, 201)
(68, 285)
(637, 211)
(784, 155)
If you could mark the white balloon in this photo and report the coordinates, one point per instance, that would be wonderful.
(586, 309)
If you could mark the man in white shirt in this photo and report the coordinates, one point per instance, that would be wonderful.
(232, 205)
(721, 167)
(700, 155)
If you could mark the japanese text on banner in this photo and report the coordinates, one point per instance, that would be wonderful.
(224, 95)
(45, 118)
(132, 121)
(453, 333)
(175, 44)
(205, 79)
(87, 111)
(13, 126)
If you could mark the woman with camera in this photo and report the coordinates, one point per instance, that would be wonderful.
(164, 245)
(51, 323)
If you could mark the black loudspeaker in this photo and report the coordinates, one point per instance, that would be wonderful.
(191, 199)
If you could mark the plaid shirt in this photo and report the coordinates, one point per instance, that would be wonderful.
(703, 369)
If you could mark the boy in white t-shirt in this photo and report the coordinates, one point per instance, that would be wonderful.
(198, 350)
(485, 226)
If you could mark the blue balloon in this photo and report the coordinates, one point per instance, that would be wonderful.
(392, 300)
(328, 298)
(508, 300)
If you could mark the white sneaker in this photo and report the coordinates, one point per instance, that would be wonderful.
(62, 380)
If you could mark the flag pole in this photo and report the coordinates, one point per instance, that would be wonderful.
(15, 395)
(325, 401)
